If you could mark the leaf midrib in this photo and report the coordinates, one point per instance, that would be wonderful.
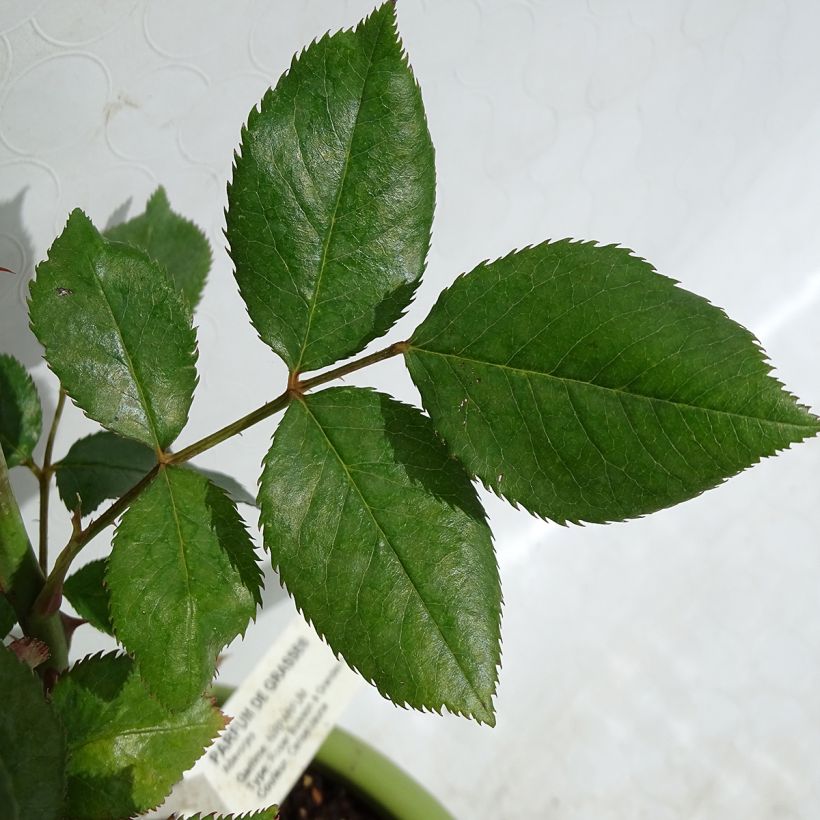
(190, 639)
(615, 390)
(146, 730)
(149, 411)
(340, 191)
(388, 541)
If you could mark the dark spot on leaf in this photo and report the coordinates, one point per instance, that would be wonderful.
(64, 291)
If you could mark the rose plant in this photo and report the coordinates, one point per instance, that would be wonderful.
(569, 378)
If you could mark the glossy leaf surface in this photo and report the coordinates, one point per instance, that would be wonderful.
(32, 746)
(116, 334)
(331, 203)
(125, 750)
(380, 538)
(100, 466)
(86, 592)
(575, 380)
(184, 582)
(176, 243)
(21, 417)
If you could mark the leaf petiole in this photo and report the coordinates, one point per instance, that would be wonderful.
(50, 595)
(44, 475)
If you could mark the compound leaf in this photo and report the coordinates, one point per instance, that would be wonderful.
(125, 750)
(21, 417)
(176, 243)
(32, 746)
(116, 334)
(575, 380)
(184, 582)
(380, 538)
(86, 592)
(100, 466)
(331, 203)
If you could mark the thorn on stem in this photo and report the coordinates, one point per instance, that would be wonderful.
(70, 623)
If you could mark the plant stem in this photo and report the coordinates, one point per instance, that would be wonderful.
(29, 462)
(338, 372)
(281, 401)
(233, 429)
(44, 478)
(21, 579)
(49, 597)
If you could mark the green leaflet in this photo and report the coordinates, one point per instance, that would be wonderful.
(125, 750)
(32, 746)
(176, 243)
(116, 334)
(184, 582)
(380, 538)
(21, 418)
(87, 594)
(575, 380)
(7, 798)
(105, 465)
(331, 203)
(100, 466)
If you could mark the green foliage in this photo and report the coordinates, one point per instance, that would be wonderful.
(32, 746)
(571, 379)
(7, 798)
(105, 465)
(331, 203)
(86, 592)
(575, 380)
(115, 333)
(21, 418)
(100, 466)
(125, 750)
(175, 242)
(380, 538)
(184, 582)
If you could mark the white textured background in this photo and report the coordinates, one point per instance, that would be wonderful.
(664, 668)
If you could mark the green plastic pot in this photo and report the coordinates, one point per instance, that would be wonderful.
(368, 773)
(376, 779)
